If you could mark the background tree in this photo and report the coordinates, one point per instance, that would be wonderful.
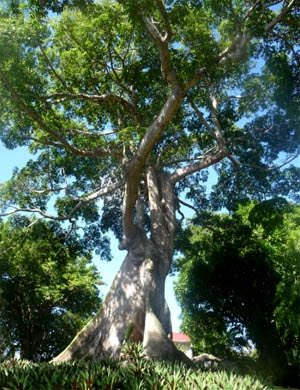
(130, 102)
(239, 280)
(49, 288)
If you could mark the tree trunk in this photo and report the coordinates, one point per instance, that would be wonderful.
(135, 308)
(138, 288)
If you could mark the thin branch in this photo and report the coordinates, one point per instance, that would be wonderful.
(59, 78)
(296, 55)
(92, 134)
(251, 10)
(34, 211)
(111, 98)
(228, 97)
(287, 161)
(48, 190)
(202, 118)
(117, 80)
(186, 204)
(233, 160)
(98, 193)
(85, 153)
(127, 50)
(41, 141)
(186, 160)
(96, 60)
(101, 191)
(216, 132)
(56, 135)
(181, 214)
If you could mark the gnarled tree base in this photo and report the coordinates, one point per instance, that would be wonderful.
(133, 310)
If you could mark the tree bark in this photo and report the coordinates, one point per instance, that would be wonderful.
(135, 308)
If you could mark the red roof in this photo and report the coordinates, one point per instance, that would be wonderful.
(180, 338)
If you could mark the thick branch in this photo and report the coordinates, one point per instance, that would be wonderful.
(280, 16)
(165, 17)
(128, 212)
(165, 116)
(151, 137)
(154, 204)
(140, 212)
(161, 42)
(161, 203)
(154, 132)
(135, 166)
(238, 47)
(205, 162)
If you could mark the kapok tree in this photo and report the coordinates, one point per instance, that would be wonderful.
(125, 105)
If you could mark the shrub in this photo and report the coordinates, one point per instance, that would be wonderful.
(129, 374)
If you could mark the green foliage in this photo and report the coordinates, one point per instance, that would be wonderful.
(119, 375)
(239, 279)
(86, 49)
(49, 288)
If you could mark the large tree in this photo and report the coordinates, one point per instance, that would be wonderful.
(239, 279)
(48, 288)
(129, 102)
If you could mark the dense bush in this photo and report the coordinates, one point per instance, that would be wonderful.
(239, 281)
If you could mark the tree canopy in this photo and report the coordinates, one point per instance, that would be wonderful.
(48, 288)
(86, 89)
(239, 280)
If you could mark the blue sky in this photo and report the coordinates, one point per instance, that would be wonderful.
(9, 159)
